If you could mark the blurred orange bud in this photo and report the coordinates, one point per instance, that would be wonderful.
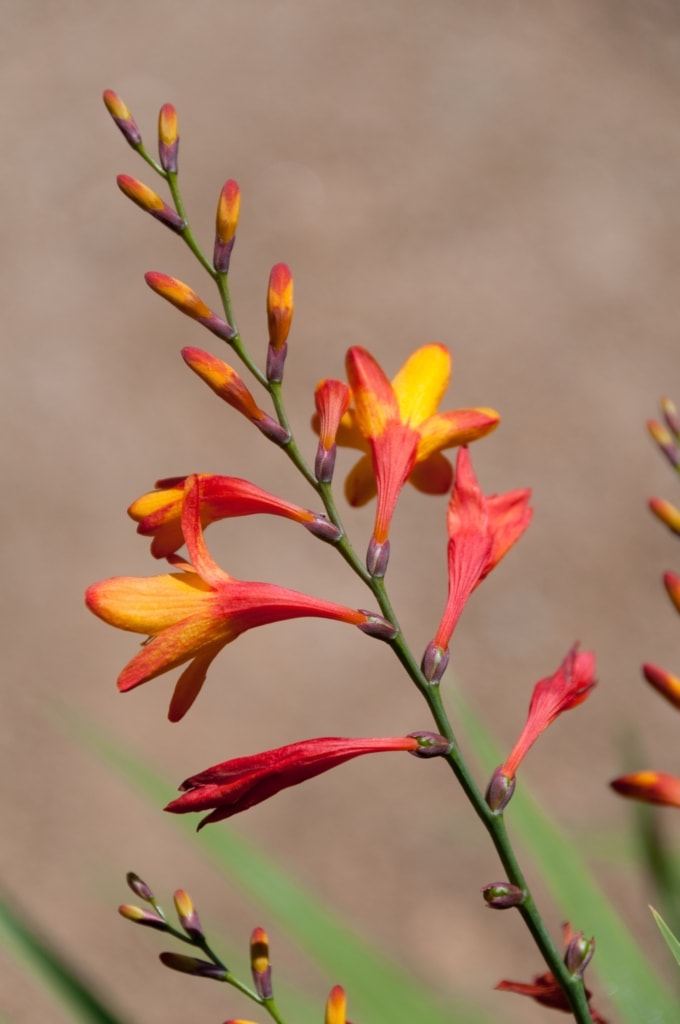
(150, 202)
(336, 1007)
(671, 582)
(259, 963)
(279, 317)
(192, 965)
(664, 683)
(168, 138)
(664, 440)
(186, 912)
(188, 302)
(670, 414)
(123, 118)
(667, 513)
(226, 222)
(145, 917)
(649, 786)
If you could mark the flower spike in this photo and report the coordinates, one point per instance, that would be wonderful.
(399, 425)
(122, 117)
(150, 202)
(188, 302)
(481, 529)
(190, 615)
(226, 222)
(158, 513)
(233, 786)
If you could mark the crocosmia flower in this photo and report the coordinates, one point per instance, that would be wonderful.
(481, 528)
(159, 513)
(190, 615)
(650, 787)
(231, 787)
(398, 425)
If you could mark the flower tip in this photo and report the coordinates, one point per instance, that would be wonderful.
(336, 1006)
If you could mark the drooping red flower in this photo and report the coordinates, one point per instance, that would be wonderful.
(650, 787)
(233, 786)
(159, 513)
(481, 530)
(398, 425)
(190, 615)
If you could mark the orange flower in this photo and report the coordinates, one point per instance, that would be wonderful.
(481, 530)
(190, 615)
(398, 424)
(650, 787)
(159, 513)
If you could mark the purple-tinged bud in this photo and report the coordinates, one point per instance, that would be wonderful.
(150, 202)
(186, 912)
(499, 791)
(434, 663)
(324, 463)
(168, 138)
(377, 627)
(377, 557)
(192, 965)
(145, 917)
(122, 117)
(323, 528)
(578, 954)
(276, 360)
(502, 895)
(139, 887)
(430, 744)
(670, 414)
(189, 303)
(273, 430)
(664, 440)
(226, 222)
(260, 966)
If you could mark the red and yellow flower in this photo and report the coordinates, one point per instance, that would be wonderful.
(190, 615)
(650, 787)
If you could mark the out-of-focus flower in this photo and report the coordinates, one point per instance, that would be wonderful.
(398, 425)
(664, 683)
(226, 222)
(336, 1006)
(562, 691)
(650, 787)
(260, 964)
(189, 303)
(159, 513)
(667, 513)
(233, 786)
(190, 615)
(671, 582)
(150, 202)
(481, 530)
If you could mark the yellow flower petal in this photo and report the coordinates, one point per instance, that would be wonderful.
(421, 383)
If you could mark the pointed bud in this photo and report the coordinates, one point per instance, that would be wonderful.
(331, 398)
(377, 557)
(503, 895)
(226, 222)
(123, 118)
(188, 302)
(168, 138)
(336, 1007)
(664, 440)
(259, 963)
(279, 317)
(664, 683)
(650, 787)
(192, 965)
(150, 202)
(139, 887)
(377, 627)
(140, 916)
(672, 584)
(434, 663)
(667, 513)
(186, 912)
(430, 744)
(578, 954)
(499, 791)
(670, 414)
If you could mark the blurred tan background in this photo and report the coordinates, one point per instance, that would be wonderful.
(501, 177)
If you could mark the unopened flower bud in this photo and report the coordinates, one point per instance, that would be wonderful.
(665, 442)
(188, 302)
(186, 912)
(430, 744)
(664, 683)
(672, 584)
(377, 557)
(670, 414)
(259, 963)
(123, 118)
(336, 1007)
(168, 138)
(667, 513)
(323, 528)
(279, 317)
(150, 202)
(578, 954)
(192, 965)
(226, 222)
(502, 895)
(377, 627)
(499, 791)
(434, 663)
(139, 887)
(331, 398)
(140, 916)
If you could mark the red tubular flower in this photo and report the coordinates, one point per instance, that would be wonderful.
(192, 614)
(150, 202)
(566, 689)
(399, 424)
(159, 513)
(235, 785)
(481, 530)
(650, 787)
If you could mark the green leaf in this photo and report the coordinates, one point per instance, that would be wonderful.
(25, 941)
(379, 990)
(670, 939)
(628, 978)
